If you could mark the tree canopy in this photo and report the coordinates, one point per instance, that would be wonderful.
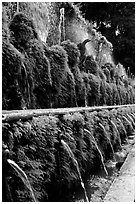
(116, 21)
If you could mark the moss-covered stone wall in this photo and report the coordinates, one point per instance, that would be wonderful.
(36, 146)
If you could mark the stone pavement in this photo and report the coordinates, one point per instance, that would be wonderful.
(123, 187)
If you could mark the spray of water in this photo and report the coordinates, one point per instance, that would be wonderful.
(90, 50)
(127, 121)
(101, 156)
(77, 32)
(71, 155)
(133, 116)
(23, 177)
(131, 119)
(130, 125)
(62, 25)
(105, 132)
(115, 127)
(121, 123)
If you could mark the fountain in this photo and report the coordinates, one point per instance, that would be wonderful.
(62, 25)
(131, 119)
(121, 123)
(132, 115)
(23, 176)
(102, 126)
(67, 148)
(115, 127)
(101, 156)
(130, 127)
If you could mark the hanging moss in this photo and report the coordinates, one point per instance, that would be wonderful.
(22, 29)
(90, 65)
(109, 92)
(107, 73)
(80, 87)
(62, 78)
(122, 94)
(94, 93)
(115, 95)
(41, 73)
(101, 74)
(126, 122)
(17, 84)
(131, 95)
(67, 95)
(73, 60)
(72, 52)
(117, 131)
(103, 93)
(82, 141)
(86, 80)
(35, 145)
(111, 69)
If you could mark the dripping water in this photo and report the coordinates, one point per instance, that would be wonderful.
(23, 176)
(127, 121)
(102, 126)
(67, 148)
(130, 125)
(131, 119)
(121, 123)
(101, 156)
(132, 115)
(114, 125)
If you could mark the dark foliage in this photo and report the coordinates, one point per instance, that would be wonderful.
(22, 29)
(62, 78)
(121, 33)
(16, 94)
(72, 52)
(94, 93)
(36, 146)
(54, 76)
(73, 61)
(39, 65)
(90, 65)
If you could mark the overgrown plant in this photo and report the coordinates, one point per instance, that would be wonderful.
(35, 145)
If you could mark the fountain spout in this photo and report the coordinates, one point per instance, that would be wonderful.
(103, 128)
(101, 156)
(70, 153)
(23, 176)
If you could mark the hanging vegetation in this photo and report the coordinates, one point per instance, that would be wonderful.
(90, 65)
(73, 61)
(16, 84)
(107, 73)
(37, 146)
(49, 72)
(94, 93)
(22, 30)
(72, 52)
(39, 65)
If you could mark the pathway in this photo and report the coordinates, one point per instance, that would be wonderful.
(123, 187)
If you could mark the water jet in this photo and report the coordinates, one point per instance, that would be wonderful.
(102, 126)
(101, 156)
(70, 153)
(23, 176)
